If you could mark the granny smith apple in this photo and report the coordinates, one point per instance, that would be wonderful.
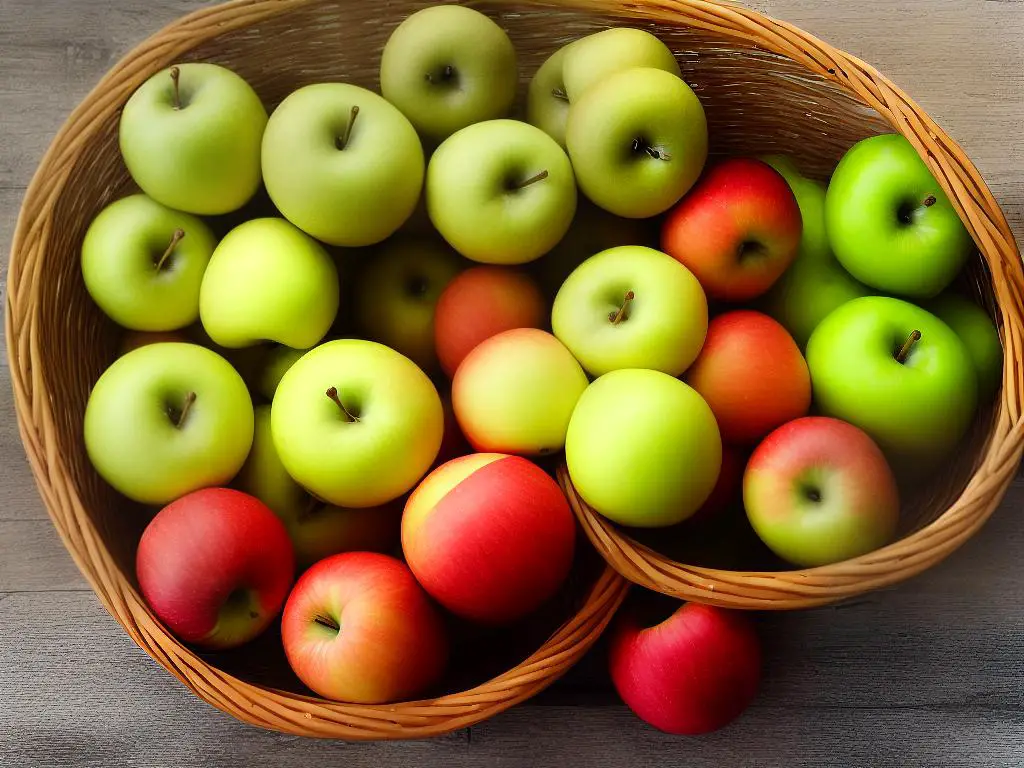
(889, 222)
(501, 192)
(978, 333)
(638, 141)
(592, 59)
(167, 419)
(446, 67)
(268, 281)
(275, 365)
(547, 104)
(143, 264)
(896, 371)
(356, 423)
(631, 307)
(342, 164)
(631, 433)
(191, 136)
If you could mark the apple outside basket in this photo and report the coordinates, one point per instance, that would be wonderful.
(766, 86)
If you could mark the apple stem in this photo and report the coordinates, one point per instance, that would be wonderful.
(333, 394)
(327, 621)
(914, 337)
(929, 201)
(658, 154)
(558, 93)
(176, 78)
(185, 408)
(175, 239)
(617, 317)
(446, 74)
(532, 180)
(343, 141)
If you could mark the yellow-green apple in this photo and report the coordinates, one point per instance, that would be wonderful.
(191, 135)
(819, 490)
(631, 432)
(738, 230)
(342, 164)
(447, 67)
(489, 536)
(357, 627)
(976, 330)
(398, 290)
(135, 339)
(276, 364)
(889, 222)
(815, 283)
(356, 423)
(631, 307)
(638, 141)
(899, 373)
(268, 281)
(594, 58)
(143, 264)
(215, 566)
(547, 104)
(693, 673)
(515, 393)
(501, 192)
(167, 419)
(480, 303)
(752, 374)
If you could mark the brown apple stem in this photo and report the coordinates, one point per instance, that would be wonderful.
(343, 141)
(929, 201)
(176, 79)
(185, 408)
(901, 356)
(532, 180)
(327, 621)
(558, 93)
(617, 317)
(333, 394)
(175, 239)
(657, 154)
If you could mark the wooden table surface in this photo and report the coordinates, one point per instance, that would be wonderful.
(928, 674)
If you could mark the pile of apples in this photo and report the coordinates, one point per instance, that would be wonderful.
(381, 431)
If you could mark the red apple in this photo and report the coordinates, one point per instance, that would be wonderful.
(215, 566)
(752, 374)
(490, 537)
(728, 486)
(737, 230)
(357, 627)
(481, 303)
(819, 490)
(693, 673)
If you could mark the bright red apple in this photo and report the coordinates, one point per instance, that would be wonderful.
(215, 566)
(357, 627)
(737, 230)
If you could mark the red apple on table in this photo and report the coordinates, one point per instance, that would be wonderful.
(357, 627)
(737, 230)
(215, 566)
(693, 673)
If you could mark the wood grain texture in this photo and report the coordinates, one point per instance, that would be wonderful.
(928, 674)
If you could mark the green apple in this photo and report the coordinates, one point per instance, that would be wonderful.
(501, 192)
(593, 59)
(276, 364)
(397, 292)
(143, 264)
(631, 307)
(191, 135)
(547, 104)
(447, 67)
(267, 281)
(896, 371)
(643, 448)
(638, 141)
(356, 423)
(167, 419)
(889, 222)
(815, 283)
(978, 333)
(342, 164)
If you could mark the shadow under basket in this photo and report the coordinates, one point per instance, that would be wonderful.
(766, 87)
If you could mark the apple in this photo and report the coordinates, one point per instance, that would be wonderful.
(752, 374)
(501, 192)
(143, 264)
(356, 423)
(135, 339)
(638, 141)
(819, 491)
(976, 330)
(490, 537)
(168, 419)
(889, 222)
(357, 627)
(515, 393)
(631, 307)
(191, 135)
(447, 67)
(728, 487)
(268, 281)
(398, 290)
(215, 566)
(630, 434)
(897, 372)
(593, 59)
(342, 164)
(738, 230)
(547, 104)
(693, 673)
(277, 362)
(480, 303)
